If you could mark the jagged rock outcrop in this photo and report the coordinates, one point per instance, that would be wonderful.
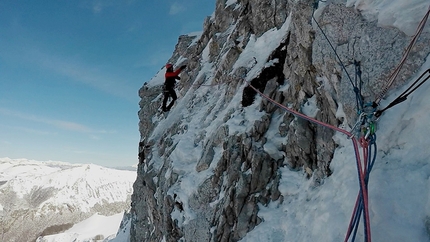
(216, 156)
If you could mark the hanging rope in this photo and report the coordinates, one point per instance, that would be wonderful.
(363, 169)
(329, 42)
(358, 82)
(396, 71)
(402, 97)
(368, 146)
(367, 140)
(365, 125)
(357, 87)
(300, 115)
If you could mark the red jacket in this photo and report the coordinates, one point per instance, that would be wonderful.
(171, 78)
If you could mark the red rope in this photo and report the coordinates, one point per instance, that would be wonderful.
(396, 71)
(362, 174)
(361, 171)
(303, 116)
(351, 222)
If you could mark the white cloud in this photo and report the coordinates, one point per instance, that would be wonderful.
(61, 124)
(176, 8)
(97, 6)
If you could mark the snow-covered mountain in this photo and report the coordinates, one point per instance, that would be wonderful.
(226, 164)
(41, 198)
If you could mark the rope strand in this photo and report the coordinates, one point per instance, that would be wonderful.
(396, 71)
(361, 170)
(402, 97)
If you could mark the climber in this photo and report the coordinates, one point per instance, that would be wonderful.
(169, 85)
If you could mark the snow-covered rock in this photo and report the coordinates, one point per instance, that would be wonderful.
(226, 164)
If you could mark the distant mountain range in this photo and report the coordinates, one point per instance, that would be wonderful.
(41, 198)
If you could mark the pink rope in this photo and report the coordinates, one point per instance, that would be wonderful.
(361, 176)
(361, 171)
(396, 71)
(303, 116)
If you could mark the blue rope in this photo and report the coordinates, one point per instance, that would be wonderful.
(356, 87)
(372, 153)
(371, 162)
(331, 45)
(357, 217)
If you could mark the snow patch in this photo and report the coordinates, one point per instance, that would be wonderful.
(230, 2)
(97, 226)
(258, 50)
(310, 108)
(404, 15)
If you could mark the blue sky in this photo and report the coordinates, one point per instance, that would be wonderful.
(70, 72)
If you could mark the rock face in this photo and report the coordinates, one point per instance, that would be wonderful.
(214, 158)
